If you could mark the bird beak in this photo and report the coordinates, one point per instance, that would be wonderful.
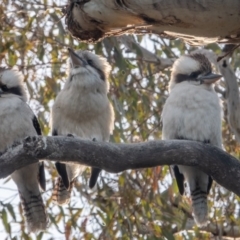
(209, 78)
(77, 61)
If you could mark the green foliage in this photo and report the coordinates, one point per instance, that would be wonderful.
(142, 204)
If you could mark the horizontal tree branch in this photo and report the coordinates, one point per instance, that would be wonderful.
(224, 168)
(195, 21)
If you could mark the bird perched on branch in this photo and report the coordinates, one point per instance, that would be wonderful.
(17, 122)
(82, 109)
(193, 112)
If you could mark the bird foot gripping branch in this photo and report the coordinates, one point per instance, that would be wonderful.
(33, 145)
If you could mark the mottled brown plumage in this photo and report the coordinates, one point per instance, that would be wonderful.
(205, 65)
(60, 195)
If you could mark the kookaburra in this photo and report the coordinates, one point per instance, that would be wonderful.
(17, 122)
(193, 112)
(82, 109)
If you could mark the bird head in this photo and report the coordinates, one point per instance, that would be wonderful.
(194, 69)
(88, 71)
(11, 83)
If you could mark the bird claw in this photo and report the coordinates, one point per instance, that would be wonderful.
(16, 143)
(70, 135)
(33, 144)
(29, 141)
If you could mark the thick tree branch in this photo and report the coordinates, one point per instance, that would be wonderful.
(197, 21)
(224, 168)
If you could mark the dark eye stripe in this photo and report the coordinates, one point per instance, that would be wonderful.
(14, 90)
(90, 62)
(181, 77)
(100, 72)
(4, 88)
(194, 75)
(184, 77)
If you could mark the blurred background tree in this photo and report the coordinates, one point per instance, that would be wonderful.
(142, 204)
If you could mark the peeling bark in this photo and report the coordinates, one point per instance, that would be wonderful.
(197, 22)
(224, 168)
(232, 96)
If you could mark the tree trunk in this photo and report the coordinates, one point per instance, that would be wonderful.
(195, 21)
(232, 94)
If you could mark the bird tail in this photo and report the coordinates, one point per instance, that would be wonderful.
(61, 195)
(34, 211)
(94, 176)
(199, 205)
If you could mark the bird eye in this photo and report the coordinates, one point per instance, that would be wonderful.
(90, 62)
(4, 88)
(194, 74)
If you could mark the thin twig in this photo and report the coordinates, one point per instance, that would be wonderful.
(229, 52)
